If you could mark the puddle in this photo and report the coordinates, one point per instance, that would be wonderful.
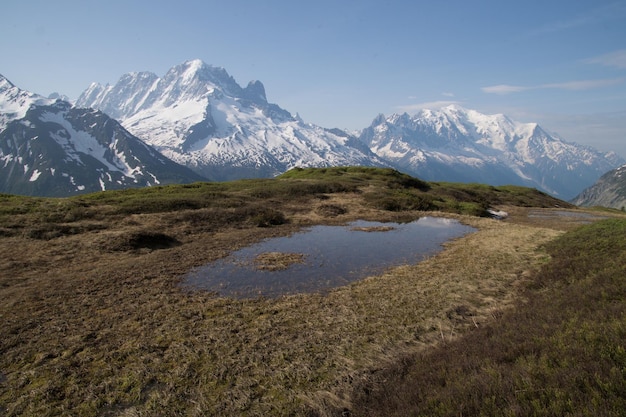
(329, 256)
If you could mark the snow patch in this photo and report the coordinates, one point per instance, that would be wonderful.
(35, 175)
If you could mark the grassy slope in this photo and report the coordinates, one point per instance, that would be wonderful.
(561, 352)
(93, 320)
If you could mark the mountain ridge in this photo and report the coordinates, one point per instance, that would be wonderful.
(608, 191)
(198, 115)
(52, 148)
(224, 131)
(489, 148)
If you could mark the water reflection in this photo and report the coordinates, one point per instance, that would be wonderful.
(332, 256)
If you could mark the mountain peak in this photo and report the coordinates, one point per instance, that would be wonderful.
(197, 72)
(15, 102)
(194, 64)
(454, 107)
(191, 69)
(255, 91)
(5, 83)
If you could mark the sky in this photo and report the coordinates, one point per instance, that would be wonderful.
(340, 63)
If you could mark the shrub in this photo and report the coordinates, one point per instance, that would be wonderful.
(266, 217)
(399, 200)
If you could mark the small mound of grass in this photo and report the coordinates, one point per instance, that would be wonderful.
(373, 229)
(330, 210)
(49, 231)
(277, 261)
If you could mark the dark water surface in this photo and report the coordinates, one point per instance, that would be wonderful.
(333, 256)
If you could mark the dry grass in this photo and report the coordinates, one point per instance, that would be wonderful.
(111, 333)
(95, 323)
(559, 351)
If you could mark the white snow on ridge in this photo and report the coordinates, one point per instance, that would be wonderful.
(14, 102)
(164, 126)
(241, 128)
(75, 142)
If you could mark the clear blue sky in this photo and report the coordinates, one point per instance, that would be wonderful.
(339, 63)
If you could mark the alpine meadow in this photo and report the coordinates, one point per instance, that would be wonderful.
(95, 320)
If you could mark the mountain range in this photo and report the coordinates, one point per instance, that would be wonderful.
(456, 144)
(198, 116)
(50, 148)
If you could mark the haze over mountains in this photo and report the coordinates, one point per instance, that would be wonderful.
(198, 116)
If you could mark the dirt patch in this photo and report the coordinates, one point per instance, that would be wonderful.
(277, 261)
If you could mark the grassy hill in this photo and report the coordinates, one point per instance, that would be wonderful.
(94, 321)
(261, 202)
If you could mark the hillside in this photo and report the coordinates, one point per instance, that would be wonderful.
(608, 191)
(559, 352)
(94, 319)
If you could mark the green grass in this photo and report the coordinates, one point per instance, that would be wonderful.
(562, 352)
(259, 201)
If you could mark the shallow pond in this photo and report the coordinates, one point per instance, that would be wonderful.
(324, 257)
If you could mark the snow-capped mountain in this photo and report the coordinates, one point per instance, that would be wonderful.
(49, 148)
(14, 102)
(456, 144)
(199, 116)
(608, 191)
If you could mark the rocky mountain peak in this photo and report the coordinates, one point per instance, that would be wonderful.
(255, 91)
(15, 102)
